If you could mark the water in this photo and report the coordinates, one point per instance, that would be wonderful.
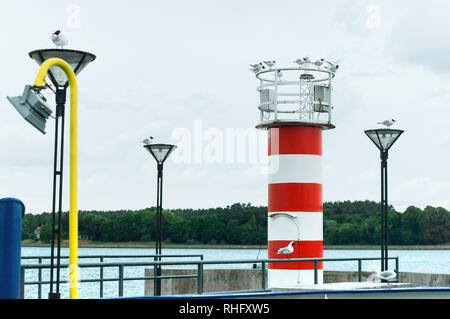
(426, 261)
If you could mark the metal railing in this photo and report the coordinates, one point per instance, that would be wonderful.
(39, 282)
(199, 263)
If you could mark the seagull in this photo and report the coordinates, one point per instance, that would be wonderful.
(255, 68)
(300, 62)
(387, 123)
(387, 275)
(332, 66)
(319, 62)
(59, 39)
(286, 250)
(148, 140)
(269, 63)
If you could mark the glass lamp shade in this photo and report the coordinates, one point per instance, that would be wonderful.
(76, 59)
(383, 138)
(160, 151)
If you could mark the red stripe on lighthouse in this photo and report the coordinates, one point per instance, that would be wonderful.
(302, 249)
(295, 197)
(295, 140)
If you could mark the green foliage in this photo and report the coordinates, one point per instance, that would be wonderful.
(345, 222)
(46, 233)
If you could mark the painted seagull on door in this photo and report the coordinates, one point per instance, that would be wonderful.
(289, 249)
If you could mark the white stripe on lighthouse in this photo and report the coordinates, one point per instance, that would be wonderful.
(295, 226)
(288, 278)
(295, 168)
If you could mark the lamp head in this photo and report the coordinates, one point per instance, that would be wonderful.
(160, 151)
(32, 106)
(383, 138)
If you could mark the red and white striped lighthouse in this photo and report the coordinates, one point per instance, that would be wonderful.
(292, 100)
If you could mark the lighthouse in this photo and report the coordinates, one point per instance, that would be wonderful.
(295, 107)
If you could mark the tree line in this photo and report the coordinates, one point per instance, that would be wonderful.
(355, 223)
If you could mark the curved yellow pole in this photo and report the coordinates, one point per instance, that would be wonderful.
(73, 213)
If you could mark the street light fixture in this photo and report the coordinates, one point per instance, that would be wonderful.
(383, 140)
(160, 153)
(61, 65)
(77, 60)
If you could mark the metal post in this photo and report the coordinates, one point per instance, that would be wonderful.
(22, 283)
(383, 156)
(101, 278)
(155, 280)
(57, 171)
(315, 273)
(55, 161)
(199, 278)
(40, 279)
(159, 228)
(61, 102)
(359, 270)
(120, 281)
(263, 275)
(386, 260)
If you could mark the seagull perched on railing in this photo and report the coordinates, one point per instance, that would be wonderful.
(255, 68)
(332, 66)
(300, 62)
(59, 39)
(270, 64)
(286, 250)
(387, 123)
(319, 62)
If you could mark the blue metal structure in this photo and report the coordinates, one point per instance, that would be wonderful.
(11, 213)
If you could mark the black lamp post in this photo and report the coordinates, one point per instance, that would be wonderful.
(77, 60)
(160, 152)
(384, 139)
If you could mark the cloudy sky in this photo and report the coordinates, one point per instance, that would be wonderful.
(165, 67)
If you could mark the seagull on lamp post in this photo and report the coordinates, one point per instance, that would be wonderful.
(59, 39)
(387, 123)
(148, 141)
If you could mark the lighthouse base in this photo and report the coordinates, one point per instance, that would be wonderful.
(293, 278)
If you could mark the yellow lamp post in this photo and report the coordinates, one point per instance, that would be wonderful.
(73, 212)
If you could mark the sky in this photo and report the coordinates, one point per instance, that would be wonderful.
(179, 71)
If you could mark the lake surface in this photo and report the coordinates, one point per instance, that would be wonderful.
(425, 261)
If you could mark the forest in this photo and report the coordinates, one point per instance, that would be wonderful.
(345, 223)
